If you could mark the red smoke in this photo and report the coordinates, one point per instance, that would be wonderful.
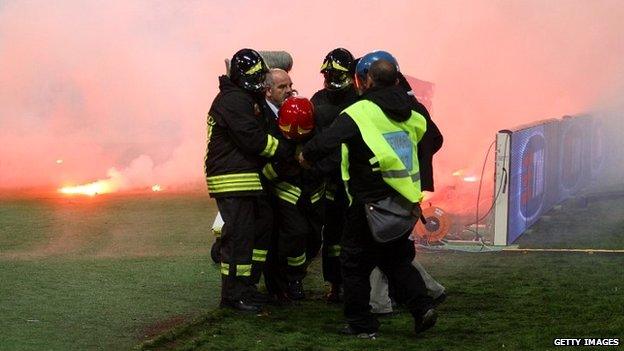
(127, 84)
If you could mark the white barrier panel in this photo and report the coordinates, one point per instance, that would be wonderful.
(501, 187)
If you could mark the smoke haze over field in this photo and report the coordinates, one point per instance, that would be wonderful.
(90, 85)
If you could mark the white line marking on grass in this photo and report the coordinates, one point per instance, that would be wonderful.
(565, 250)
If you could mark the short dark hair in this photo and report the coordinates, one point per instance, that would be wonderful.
(383, 73)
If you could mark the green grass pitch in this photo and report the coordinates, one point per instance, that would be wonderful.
(117, 273)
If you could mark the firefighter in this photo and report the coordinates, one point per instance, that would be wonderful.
(278, 86)
(337, 94)
(337, 71)
(379, 136)
(238, 147)
(298, 203)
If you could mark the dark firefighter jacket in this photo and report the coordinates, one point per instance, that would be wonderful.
(238, 143)
(327, 106)
(339, 98)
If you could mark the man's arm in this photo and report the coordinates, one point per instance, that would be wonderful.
(432, 138)
(330, 139)
(428, 145)
(246, 131)
(330, 164)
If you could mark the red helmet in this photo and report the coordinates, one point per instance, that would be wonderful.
(296, 118)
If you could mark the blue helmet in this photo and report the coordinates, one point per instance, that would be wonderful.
(367, 60)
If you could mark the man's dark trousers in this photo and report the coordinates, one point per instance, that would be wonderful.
(360, 254)
(244, 243)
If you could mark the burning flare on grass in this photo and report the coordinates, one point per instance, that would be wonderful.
(458, 173)
(91, 189)
(139, 175)
(104, 186)
(467, 179)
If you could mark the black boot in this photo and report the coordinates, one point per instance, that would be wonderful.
(240, 305)
(256, 297)
(295, 290)
(233, 295)
(426, 321)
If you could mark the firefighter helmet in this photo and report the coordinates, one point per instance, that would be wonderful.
(296, 118)
(337, 69)
(248, 70)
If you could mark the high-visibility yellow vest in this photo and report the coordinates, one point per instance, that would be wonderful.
(394, 146)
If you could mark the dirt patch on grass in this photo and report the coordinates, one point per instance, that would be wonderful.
(160, 327)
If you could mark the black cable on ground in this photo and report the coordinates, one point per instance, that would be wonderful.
(478, 236)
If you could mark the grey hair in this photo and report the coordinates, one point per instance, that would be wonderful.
(268, 80)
